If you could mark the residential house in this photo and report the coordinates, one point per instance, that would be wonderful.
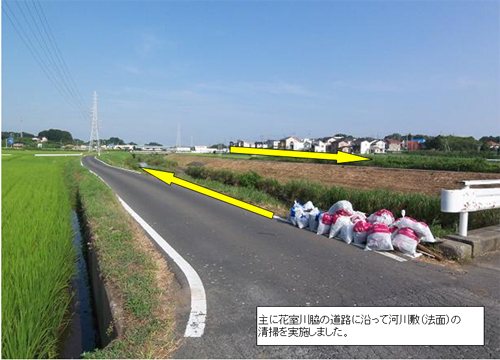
(493, 145)
(392, 145)
(411, 145)
(344, 145)
(377, 147)
(18, 145)
(273, 144)
(319, 146)
(291, 143)
(308, 144)
(260, 145)
(242, 143)
(362, 146)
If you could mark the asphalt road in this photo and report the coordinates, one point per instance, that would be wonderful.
(246, 260)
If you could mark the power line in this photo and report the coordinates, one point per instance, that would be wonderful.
(47, 62)
(50, 35)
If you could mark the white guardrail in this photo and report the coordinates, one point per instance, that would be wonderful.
(470, 199)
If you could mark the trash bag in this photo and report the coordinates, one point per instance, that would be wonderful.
(382, 217)
(303, 220)
(342, 205)
(338, 222)
(347, 233)
(360, 231)
(406, 241)
(358, 216)
(314, 219)
(308, 206)
(293, 212)
(421, 228)
(379, 238)
(324, 224)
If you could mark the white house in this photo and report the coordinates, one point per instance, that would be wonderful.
(319, 146)
(377, 147)
(273, 144)
(243, 143)
(291, 143)
(308, 144)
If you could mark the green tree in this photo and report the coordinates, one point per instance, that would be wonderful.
(56, 135)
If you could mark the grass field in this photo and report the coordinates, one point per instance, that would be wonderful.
(38, 258)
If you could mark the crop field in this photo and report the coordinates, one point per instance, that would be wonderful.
(352, 177)
(37, 254)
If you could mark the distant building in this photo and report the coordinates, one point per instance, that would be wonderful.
(291, 143)
(124, 147)
(319, 146)
(411, 145)
(154, 148)
(18, 145)
(392, 145)
(273, 144)
(242, 143)
(202, 149)
(377, 147)
(361, 146)
(344, 145)
(493, 145)
(179, 149)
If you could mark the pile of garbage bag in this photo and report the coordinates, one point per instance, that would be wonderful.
(378, 232)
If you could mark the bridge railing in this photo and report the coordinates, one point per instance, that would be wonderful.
(471, 198)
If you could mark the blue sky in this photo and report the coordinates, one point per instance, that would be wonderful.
(244, 69)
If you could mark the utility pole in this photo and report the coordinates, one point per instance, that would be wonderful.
(94, 134)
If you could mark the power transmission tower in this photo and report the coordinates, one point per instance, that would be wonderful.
(94, 134)
(178, 141)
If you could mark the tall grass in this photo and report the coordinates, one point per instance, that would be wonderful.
(38, 258)
(417, 205)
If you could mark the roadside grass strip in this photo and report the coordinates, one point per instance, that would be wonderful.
(38, 258)
(132, 268)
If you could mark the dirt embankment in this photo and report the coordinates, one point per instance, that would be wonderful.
(402, 180)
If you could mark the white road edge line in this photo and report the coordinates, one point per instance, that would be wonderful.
(197, 317)
(116, 167)
(196, 323)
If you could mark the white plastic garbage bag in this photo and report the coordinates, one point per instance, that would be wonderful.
(360, 231)
(303, 220)
(314, 219)
(324, 224)
(308, 206)
(293, 212)
(358, 216)
(379, 238)
(421, 228)
(347, 233)
(338, 222)
(342, 205)
(406, 241)
(383, 216)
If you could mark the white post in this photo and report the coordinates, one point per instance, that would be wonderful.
(464, 220)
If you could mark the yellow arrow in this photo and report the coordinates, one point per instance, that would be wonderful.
(169, 178)
(340, 156)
